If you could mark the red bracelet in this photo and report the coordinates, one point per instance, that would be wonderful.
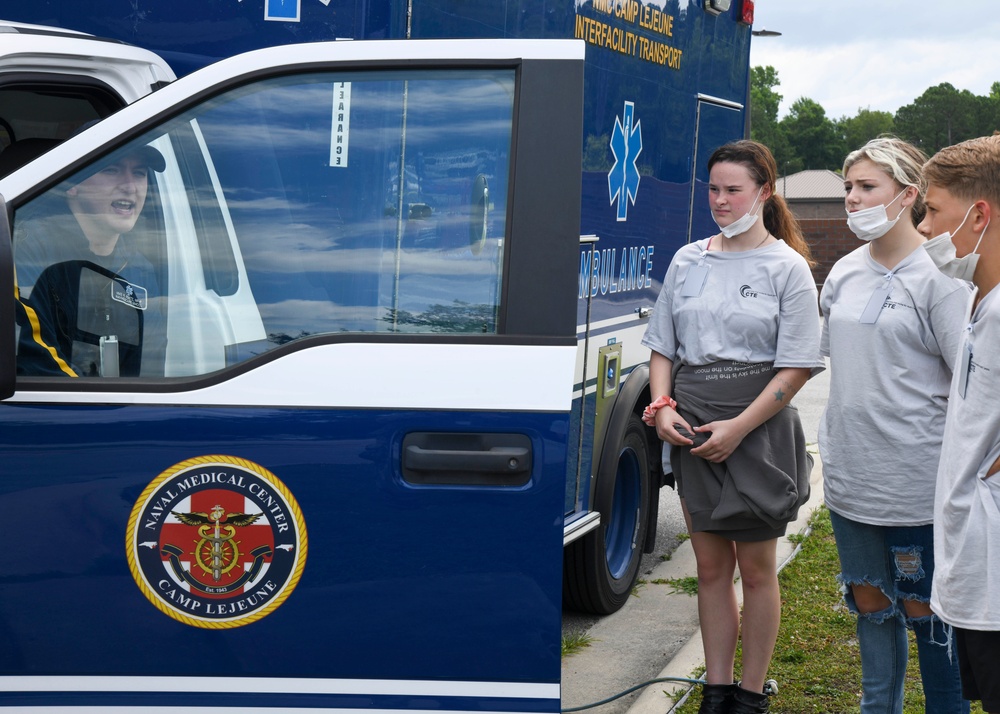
(649, 413)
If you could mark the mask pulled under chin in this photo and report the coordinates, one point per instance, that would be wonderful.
(941, 251)
(739, 226)
(743, 223)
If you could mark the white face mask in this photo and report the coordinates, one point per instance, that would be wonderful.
(872, 223)
(942, 251)
(743, 223)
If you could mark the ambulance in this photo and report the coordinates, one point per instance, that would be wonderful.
(351, 411)
(300, 439)
(666, 82)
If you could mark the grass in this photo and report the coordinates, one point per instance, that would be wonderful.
(816, 661)
(571, 644)
(687, 586)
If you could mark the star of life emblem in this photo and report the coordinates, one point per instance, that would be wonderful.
(626, 143)
(216, 542)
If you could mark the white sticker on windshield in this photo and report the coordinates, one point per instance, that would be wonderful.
(341, 136)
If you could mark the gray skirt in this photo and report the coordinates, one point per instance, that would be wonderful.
(757, 491)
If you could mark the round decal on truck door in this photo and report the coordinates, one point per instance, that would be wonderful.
(216, 542)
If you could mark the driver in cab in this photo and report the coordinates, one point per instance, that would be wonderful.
(87, 297)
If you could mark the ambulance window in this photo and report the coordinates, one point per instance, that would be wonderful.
(37, 114)
(368, 205)
(89, 262)
(298, 206)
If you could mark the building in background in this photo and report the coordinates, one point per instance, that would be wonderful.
(816, 198)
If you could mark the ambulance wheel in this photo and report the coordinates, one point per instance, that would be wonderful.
(600, 569)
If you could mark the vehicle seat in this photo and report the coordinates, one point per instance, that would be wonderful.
(22, 151)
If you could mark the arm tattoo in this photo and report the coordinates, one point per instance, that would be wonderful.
(784, 389)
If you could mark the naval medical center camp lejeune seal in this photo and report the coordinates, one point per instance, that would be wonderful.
(216, 542)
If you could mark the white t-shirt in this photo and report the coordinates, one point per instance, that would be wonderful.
(754, 306)
(966, 586)
(880, 435)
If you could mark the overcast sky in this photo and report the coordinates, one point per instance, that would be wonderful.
(876, 54)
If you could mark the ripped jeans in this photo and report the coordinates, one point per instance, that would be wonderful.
(899, 561)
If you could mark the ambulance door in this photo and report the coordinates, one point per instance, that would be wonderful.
(294, 352)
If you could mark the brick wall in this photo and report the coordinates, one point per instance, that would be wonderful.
(829, 239)
(805, 210)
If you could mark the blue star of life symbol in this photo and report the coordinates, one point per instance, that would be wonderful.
(626, 143)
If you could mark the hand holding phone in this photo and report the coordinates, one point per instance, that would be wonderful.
(698, 438)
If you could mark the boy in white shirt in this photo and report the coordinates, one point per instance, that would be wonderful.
(963, 202)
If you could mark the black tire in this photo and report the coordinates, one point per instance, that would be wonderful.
(600, 569)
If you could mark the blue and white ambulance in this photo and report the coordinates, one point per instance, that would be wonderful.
(248, 452)
(355, 317)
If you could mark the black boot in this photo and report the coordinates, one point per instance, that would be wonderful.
(747, 702)
(717, 698)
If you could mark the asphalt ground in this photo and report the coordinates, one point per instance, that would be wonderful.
(656, 634)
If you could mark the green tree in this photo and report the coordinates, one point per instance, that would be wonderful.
(814, 138)
(866, 125)
(989, 111)
(764, 103)
(940, 117)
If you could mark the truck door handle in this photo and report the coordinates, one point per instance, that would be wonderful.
(499, 459)
(466, 459)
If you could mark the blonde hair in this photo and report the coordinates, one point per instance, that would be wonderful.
(759, 161)
(968, 170)
(899, 160)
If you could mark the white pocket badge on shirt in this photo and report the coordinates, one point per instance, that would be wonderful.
(874, 307)
(964, 367)
(694, 283)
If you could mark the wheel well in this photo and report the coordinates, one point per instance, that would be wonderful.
(654, 445)
(633, 397)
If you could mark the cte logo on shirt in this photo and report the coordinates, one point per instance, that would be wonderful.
(748, 292)
(892, 305)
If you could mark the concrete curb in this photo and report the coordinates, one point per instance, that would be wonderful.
(689, 661)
